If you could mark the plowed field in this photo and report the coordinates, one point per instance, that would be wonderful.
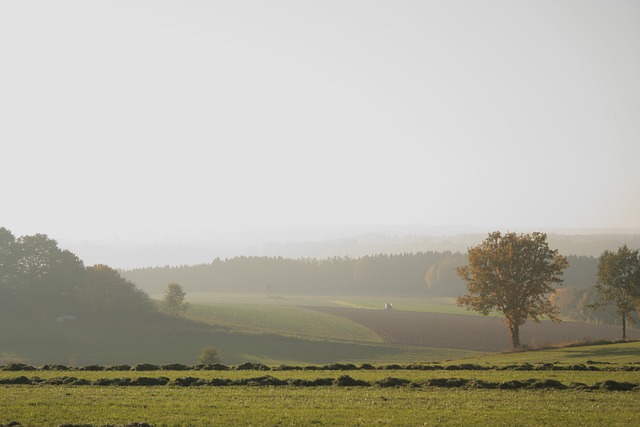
(469, 332)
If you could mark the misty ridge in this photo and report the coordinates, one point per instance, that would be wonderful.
(131, 253)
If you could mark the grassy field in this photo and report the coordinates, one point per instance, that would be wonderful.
(430, 400)
(328, 406)
(287, 320)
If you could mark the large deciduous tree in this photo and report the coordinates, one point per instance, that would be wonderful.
(512, 274)
(47, 277)
(618, 282)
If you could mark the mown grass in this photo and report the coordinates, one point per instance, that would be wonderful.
(329, 406)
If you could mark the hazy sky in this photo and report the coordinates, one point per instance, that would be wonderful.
(120, 118)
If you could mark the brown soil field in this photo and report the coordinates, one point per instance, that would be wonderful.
(481, 333)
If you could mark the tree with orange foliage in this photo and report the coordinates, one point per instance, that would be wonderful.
(512, 274)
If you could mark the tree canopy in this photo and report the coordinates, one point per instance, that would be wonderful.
(38, 278)
(512, 274)
(619, 282)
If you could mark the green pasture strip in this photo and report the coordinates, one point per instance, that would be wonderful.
(327, 406)
(426, 304)
(618, 353)
(284, 320)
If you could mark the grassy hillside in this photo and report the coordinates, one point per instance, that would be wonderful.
(40, 343)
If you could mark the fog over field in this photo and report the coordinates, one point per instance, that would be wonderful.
(158, 132)
(353, 241)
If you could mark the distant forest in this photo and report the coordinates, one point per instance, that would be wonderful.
(406, 274)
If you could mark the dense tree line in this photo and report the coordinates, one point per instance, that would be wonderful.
(383, 274)
(40, 280)
(410, 274)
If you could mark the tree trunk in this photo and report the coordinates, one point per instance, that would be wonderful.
(624, 327)
(514, 330)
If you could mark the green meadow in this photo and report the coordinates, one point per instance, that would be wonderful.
(449, 394)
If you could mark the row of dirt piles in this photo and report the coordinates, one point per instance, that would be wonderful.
(147, 367)
(341, 381)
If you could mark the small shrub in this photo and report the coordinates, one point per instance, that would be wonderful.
(209, 356)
